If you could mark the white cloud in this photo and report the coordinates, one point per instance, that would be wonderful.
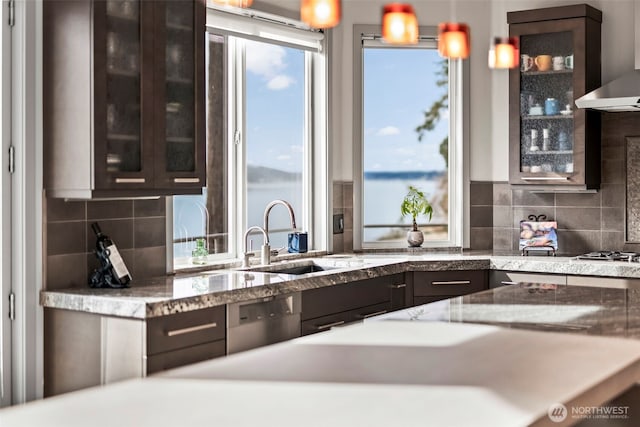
(280, 82)
(388, 130)
(269, 61)
(296, 148)
(405, 151)
(283, 157)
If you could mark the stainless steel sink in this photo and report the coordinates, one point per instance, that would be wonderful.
(295, 268)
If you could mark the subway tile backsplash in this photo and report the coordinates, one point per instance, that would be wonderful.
(138, 227)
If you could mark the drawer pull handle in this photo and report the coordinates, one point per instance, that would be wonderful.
(330, 325)
(366, 316)
(186, 180)
(130, 180)
(400, 286)
(453, 282)
(545, 178)
(183, 331)
(509, 283)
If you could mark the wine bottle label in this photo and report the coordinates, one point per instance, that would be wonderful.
(118, 263)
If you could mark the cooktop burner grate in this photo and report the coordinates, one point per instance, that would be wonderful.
(611, 256)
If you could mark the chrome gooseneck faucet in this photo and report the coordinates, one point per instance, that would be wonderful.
(267, 211)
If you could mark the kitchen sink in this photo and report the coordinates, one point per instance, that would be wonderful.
(295, 267)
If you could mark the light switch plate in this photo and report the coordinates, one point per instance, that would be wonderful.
(338, 224)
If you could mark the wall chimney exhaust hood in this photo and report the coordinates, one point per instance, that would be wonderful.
(623, 93)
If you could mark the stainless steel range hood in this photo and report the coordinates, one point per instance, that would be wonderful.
(623, 93)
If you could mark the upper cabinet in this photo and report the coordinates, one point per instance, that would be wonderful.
(550, 141)
(124, 109)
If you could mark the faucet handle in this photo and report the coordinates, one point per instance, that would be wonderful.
(245, 259)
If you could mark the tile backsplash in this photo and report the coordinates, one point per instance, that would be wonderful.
(138, 227)
(586, 221)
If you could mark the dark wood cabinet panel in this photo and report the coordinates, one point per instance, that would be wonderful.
(124, 98)
(184, 356)
(341, 298)
(449, 283)
(551, 142)
(325, 323)
(186, 329)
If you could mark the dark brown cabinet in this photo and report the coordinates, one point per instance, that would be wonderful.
(551, 142)
(124, 109)
(338, 305)
(430, 286)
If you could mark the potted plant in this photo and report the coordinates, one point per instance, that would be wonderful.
(415, 203)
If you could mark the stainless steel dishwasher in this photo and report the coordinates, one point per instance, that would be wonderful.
(263, 321)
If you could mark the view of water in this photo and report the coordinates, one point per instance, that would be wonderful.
(382, 206)
(382, 199)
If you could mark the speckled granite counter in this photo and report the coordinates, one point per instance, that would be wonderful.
(158, 297)
(576, 309)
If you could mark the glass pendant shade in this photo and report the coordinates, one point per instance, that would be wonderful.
(234, 3)
(399, 24)
(504, 53)
(320, 13)
(453, 40)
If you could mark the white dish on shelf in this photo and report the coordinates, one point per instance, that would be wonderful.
(566, 112)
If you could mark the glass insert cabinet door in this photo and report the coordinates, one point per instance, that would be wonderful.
(180, 116)
(546, 104)
(120, 129)
(551, 141)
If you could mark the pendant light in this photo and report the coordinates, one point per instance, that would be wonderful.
(234, 3)
(453, 40)
(320, 13)
(504, 53)
(399, 24)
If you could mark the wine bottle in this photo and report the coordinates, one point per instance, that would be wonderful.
(114, 272)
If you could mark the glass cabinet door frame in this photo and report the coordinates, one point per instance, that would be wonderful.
(172, 179)
(586, 129)
(105, 179)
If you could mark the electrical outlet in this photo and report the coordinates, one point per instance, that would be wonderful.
(338, 224)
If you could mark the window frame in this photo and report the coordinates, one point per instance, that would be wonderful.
(458, 139)
(236, 28)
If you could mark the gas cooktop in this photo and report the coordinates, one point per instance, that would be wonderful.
(611, 256)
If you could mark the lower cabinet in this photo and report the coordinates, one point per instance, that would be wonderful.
(430, 286)
(325, 308)
(84, 350)
(505, 278)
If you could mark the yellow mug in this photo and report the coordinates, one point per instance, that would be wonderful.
(543, 62)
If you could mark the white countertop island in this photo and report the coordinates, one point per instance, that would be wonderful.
(384, 373)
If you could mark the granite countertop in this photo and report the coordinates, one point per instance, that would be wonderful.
(575, 309)
(173, 294)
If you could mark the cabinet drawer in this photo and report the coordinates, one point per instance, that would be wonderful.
(325, 323)
(452, 283)
(180, 330)
(350, 296)
(185, 356)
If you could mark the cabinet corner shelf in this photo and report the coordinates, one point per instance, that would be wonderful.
(555, 117)
(547, 73)
(549, 152)
(122, 137)
(178, 27)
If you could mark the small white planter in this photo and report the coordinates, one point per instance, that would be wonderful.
(415, 238)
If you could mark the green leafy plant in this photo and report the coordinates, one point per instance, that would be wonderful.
(415, 203)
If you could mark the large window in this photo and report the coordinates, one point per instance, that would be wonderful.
(266, 138)
(407, 104)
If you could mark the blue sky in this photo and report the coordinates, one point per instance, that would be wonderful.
(399, 86)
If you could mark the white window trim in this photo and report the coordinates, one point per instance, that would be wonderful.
(458, 138)
(259, 26)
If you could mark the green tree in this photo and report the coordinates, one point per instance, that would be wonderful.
(433, 115)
